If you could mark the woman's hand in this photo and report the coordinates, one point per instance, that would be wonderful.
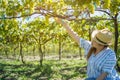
(102, 76)
(58, 20)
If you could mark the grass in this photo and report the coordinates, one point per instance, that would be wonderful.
(51, 70)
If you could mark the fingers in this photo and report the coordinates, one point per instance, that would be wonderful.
(61, 21)
(58, 20)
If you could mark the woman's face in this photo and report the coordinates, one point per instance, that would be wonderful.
(95, 44)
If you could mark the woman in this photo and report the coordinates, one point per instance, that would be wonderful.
(100, 58)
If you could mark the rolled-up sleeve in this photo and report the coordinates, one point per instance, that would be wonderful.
(85, 44)
(109, 64)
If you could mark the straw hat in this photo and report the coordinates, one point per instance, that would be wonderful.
(103, 37)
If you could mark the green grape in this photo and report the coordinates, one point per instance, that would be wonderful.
(118, 1)
(88, 1)
(28, 1)
(31, 4)
(9, 13)
(106, 4)
(4, 4)
(98, 2)
(76, 13)
(91, 8)
(31, 10)
(6, 27)
(47, 19)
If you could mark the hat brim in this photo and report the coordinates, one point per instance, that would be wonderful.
(94, 33)
(99, 42)
(93, 37)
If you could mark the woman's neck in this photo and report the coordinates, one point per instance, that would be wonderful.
(99, 50)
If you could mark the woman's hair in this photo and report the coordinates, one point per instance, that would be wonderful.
(92, 50)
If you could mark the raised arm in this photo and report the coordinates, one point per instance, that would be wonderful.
(73, 34)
